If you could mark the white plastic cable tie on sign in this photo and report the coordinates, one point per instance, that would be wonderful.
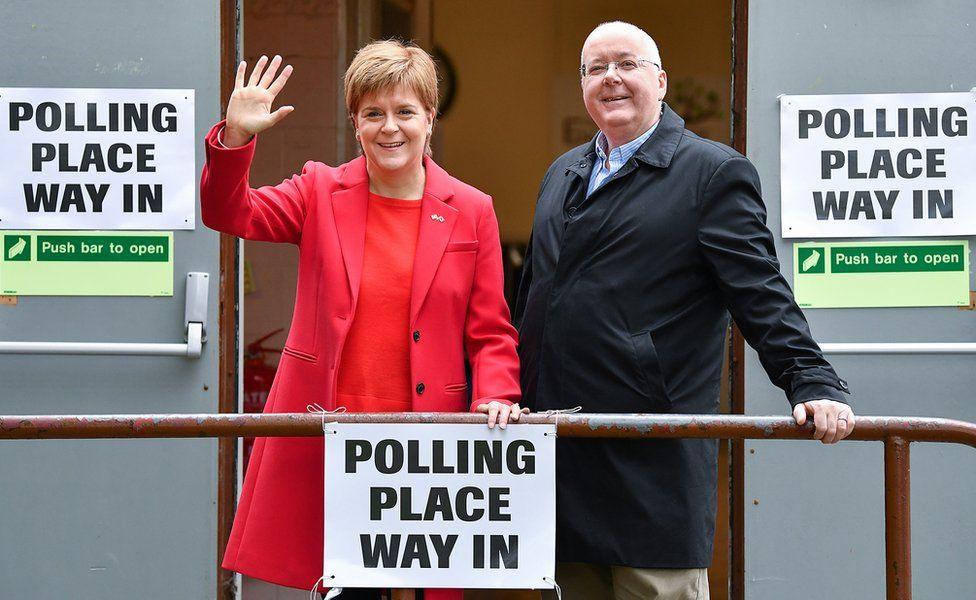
(317, 409)
(562, 411)
(555, 412)
(555, 586)
(313, 594)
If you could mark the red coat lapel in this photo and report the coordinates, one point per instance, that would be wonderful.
(350, 205)
(436, 224)
(349, 208)
(437, 219)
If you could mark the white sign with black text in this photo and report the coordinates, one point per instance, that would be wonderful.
(877, 165)
(103, 159)
(439, 506)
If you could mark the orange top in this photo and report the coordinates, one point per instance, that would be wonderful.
(374, 370)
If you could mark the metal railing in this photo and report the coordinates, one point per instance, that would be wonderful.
(897, 433)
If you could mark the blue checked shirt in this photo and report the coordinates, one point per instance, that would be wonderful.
(618, 158)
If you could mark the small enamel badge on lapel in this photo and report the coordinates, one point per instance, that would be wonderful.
(436, 217)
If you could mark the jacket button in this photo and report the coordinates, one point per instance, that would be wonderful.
(572, 210)
(420, 388)
(416, 336)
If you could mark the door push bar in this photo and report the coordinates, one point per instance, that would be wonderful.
(194, 332)
(901, 348)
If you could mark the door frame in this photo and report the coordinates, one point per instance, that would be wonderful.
(229, 296)
(740, 48)
(229, 372)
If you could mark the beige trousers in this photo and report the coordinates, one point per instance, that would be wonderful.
(584, 581)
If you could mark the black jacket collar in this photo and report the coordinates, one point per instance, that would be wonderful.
(657, 151)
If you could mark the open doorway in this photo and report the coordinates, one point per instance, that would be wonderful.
(510, 104)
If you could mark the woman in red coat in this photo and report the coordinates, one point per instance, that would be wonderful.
(399, 285)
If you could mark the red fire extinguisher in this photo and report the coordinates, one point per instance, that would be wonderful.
(258, 375)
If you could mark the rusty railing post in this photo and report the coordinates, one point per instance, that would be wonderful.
(898, 518)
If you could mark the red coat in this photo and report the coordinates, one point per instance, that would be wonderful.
(457, 313)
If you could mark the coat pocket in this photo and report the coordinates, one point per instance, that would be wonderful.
(649, 369)
(299, 354)
(462, 246)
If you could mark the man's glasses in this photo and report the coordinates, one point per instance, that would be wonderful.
(627, 65)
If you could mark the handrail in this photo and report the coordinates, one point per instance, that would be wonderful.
(912, 429)
(897, 433)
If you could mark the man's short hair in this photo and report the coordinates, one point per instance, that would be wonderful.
(654, 54)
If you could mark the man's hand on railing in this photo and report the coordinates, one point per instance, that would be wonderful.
(833, 420)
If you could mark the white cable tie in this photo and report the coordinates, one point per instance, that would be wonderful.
(555, 412)
(316, 408)
(562, 411)
(312, 593)
(555, 586)
(332, 593)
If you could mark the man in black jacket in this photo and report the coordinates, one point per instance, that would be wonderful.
(643, 241)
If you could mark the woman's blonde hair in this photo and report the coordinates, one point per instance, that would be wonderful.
(387, 64)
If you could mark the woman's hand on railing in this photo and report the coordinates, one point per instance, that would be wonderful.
(249, 110)
(501, 413)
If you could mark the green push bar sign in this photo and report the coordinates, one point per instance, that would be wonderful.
(881, 274)
(90, 263)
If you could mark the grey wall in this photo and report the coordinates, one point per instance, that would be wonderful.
(818, 528)
(127, 518)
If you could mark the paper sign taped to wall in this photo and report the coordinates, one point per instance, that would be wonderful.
(97, 159)
(877, 165)
(881, 274)
(89, 263)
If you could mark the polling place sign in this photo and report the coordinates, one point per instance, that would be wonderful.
(97, 159)
(439, 506)
(877, 165)
(881, 274)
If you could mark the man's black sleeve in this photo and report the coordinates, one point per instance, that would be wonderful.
(739, 249)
